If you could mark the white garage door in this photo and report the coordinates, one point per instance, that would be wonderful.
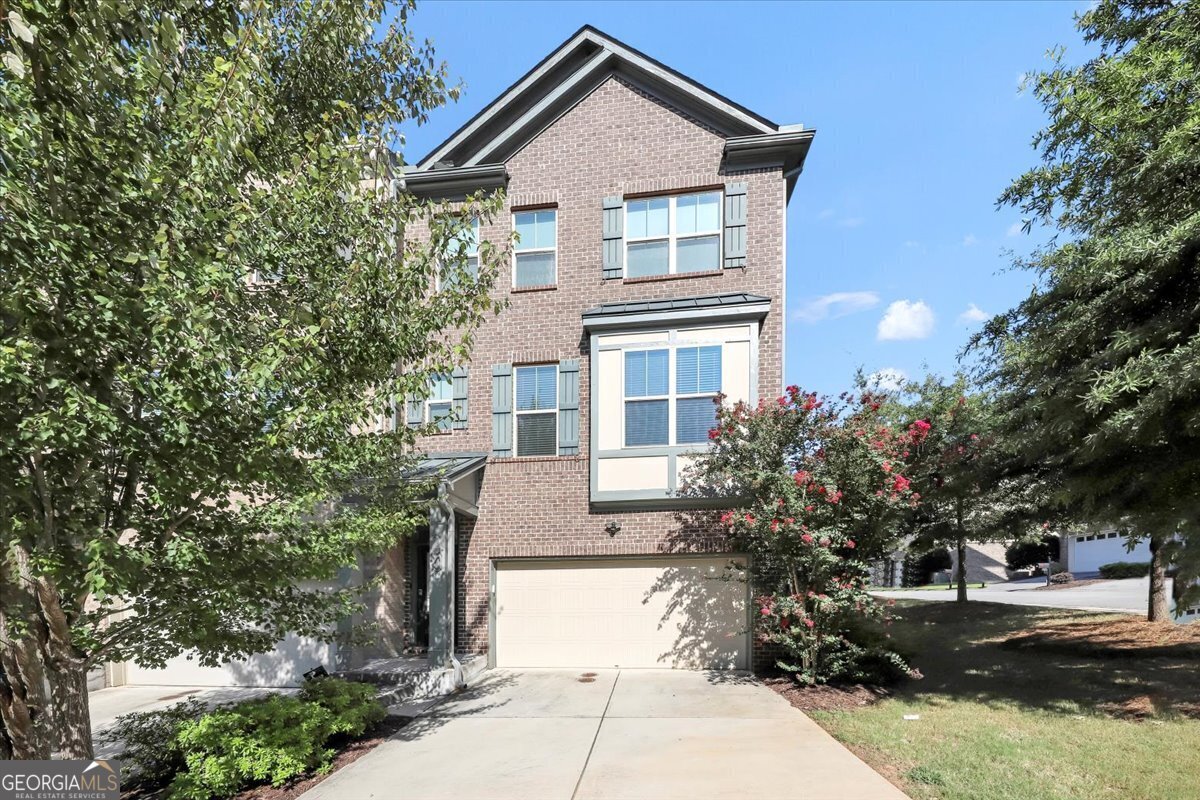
(1088, 552)
(284, 666)
(677, 612)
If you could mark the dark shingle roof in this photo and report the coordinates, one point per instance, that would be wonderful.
(676, 304)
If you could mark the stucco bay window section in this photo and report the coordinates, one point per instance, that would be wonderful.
(657, 368)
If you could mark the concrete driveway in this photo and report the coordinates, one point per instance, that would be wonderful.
(613, 734)
(1129, 595)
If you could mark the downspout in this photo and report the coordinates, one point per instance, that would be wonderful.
(443, 499)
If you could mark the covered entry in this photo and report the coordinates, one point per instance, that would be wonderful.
(679, 612)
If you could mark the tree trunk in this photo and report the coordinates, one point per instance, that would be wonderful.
(961, 545)
(1160, 605)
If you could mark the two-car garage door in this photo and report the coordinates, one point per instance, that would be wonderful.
(671, 612)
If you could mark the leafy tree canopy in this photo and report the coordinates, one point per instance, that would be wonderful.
(207, 302)
(1098, 370)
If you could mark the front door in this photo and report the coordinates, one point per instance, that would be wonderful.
(421, 591)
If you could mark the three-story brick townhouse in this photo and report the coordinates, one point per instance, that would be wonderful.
(648, 277)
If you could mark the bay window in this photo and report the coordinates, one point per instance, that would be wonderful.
(673, 235)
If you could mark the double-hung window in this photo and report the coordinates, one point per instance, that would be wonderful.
(465, 245)
(537, 410)
(439, 406)
(659, 411)
(536, 248)
(673, 235)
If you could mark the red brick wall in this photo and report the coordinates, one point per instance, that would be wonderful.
(617, 140)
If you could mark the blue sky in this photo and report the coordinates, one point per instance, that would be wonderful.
(895, 247)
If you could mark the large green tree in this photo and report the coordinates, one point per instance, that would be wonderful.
(1099, 368)
(206, 299)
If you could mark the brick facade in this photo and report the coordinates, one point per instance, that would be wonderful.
(617, 140)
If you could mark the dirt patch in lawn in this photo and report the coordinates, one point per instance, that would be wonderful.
(827, 698)
(1112, 636)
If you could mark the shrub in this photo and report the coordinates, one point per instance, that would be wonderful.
(1061, 577)
(919, 567)
(1031, 552)
(151, 756)
(1125, 569)
(271, 740)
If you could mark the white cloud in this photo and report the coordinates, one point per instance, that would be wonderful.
(825, 213)
(838, 304)
(970, 240)
(905, 319)
(1014, 229)
(889, 379)
(912, 243)
(972, 315)
(850, 222)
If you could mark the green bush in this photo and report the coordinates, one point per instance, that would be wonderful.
(1125, 569)
(919, 567)
(205, 753)
(151, 755)
(1031, 552)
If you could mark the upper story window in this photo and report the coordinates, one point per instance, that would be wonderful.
(536, 252)
(439, 406)
(465, 245)
(673, 235)
(659, 411)
(536, 410)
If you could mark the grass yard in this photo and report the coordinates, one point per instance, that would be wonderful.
(1034, 704)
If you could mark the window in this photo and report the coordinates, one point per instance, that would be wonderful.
(697, 382)
(647, 397)
(439, 406)
(465, 245)
(537, 410)
(673, 235)
(535, 252)
(651, 403)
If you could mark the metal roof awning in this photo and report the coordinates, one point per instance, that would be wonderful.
(734, 305)
(447, 466)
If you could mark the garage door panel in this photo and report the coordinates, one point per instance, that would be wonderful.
(684, 613)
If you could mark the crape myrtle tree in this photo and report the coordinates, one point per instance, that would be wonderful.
(957, 468)
(1098, 370)
(822, 488)
(206, 297)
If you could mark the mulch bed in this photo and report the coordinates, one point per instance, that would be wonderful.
(827, 698)
(1070, 585)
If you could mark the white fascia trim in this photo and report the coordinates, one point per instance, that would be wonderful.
(500, 102)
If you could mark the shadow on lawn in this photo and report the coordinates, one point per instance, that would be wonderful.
(1049, 659)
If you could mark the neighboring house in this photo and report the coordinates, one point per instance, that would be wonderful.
(1085, 552)
(985, 562)
(649, 277)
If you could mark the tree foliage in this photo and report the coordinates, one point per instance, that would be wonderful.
(1099, 368)
(207, 300)
(822, 486)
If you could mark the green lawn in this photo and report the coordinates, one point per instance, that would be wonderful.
(1096, 707)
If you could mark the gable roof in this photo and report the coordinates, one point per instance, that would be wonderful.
(560, 80)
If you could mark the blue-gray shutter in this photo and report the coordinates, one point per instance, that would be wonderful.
(735, 225)
(568, 407)
(502, 411)
(459, 407)
(614, 237)
(414, 411)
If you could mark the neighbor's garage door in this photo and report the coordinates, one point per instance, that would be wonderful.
(283, 666)
(678, 612)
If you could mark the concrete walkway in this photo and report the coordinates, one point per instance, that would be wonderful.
(1129, 596)
(613, 734)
